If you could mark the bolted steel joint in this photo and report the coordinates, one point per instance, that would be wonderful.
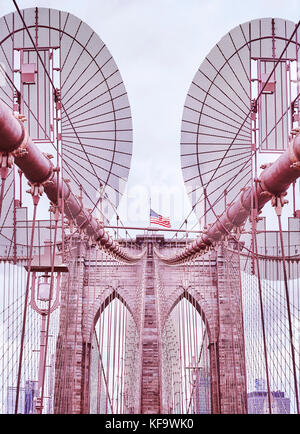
(278, 202)
(6, 159)
(6, 162)
(21, 148)
(36, 191)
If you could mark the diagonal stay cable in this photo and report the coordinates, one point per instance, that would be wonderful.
(50, 80)
(246, 118)
(258, 97)
(70, 170)
(52, 84)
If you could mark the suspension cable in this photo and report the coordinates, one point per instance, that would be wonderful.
(35, 203)
(278, 204)
(248, 114)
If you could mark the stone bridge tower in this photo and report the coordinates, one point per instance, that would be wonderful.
(150, 289)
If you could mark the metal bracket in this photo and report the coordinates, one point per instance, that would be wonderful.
(278, 202)
(22, 148)
(6, 162)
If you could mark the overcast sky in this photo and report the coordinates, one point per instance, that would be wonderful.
(158, 45)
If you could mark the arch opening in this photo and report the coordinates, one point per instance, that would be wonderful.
(186, 376)
(113, 359)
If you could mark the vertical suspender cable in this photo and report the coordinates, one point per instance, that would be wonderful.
(35, 203)
(288, 312)
(262, 320)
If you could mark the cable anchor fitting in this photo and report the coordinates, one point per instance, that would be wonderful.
(6, 163)
(22, 148)
(55, 210)
(36, 190)
(278, 202)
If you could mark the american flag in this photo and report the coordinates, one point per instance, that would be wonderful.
(159, 220)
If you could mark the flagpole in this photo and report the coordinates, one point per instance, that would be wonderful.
(150, 210)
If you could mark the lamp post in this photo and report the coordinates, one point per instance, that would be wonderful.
(44, 283)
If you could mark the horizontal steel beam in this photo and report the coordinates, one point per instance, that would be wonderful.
(136, 228)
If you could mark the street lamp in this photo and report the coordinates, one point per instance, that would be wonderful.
(45, 283)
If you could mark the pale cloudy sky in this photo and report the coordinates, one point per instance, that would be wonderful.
(158, 45)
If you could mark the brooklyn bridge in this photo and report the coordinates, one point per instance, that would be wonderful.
(99, 317)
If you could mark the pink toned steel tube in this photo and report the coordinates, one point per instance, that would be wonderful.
(274, 181)
(38, 169)
(11, 131)
(35, 165)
